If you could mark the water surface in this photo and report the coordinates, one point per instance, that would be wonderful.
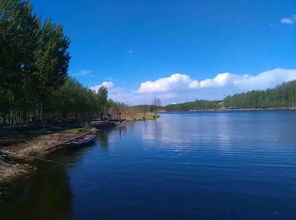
(197, 165)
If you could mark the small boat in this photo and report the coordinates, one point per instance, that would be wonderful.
(81, 141)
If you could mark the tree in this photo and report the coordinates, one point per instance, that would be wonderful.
(281, 96)
(51, 62)
(102, 96)
(33, 62)
(156, 103)
(19, 33)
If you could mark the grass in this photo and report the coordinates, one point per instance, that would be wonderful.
(73, 130)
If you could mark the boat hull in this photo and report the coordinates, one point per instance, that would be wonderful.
(81, 143)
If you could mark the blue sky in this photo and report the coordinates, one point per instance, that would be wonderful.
(137, 46)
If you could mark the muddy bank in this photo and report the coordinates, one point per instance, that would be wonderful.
(15, 159)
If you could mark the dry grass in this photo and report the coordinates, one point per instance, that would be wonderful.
(137, 116)
(34, 149)
(8, 173)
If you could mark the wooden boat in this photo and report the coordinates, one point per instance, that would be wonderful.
(81, 141)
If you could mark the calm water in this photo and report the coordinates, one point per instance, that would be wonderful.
(199, 165)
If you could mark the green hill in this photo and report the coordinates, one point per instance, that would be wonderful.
(279, 97)
(196, 106)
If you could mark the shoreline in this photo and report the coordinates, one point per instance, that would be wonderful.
(16, 158)
(239, 109)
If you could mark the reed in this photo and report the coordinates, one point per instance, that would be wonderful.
(139, 116)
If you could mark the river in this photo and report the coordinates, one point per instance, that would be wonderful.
(193, 165)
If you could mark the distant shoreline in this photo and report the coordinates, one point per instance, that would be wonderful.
(239, 109)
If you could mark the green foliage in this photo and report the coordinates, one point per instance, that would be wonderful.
(281, 96)
(196, 105)
(74, 100)
(116, 107)
(19, 30)
(34, 59)
(33, 62)
(103, 98)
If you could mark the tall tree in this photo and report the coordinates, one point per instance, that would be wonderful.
(33, 61)
(19, 33)
(103, 98)
(51, 62)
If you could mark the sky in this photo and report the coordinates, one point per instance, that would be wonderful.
(177, 50)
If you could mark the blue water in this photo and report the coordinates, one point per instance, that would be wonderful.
(197, 165)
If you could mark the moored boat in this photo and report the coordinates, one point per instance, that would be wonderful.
(81, 141)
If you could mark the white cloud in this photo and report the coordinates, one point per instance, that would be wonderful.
(177, 82)
(178, 88)
(108, 85)
(290, 20)
(220, 80)
(264, 80)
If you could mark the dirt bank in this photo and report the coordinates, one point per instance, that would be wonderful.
(15, 159)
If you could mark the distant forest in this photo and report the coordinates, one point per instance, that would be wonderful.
(281, 96)
(196, 105)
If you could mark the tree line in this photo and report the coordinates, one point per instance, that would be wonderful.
(283, 95)
(74, 101)
(196, 105)
(34, 81)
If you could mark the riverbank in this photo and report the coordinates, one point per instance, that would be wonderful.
(16, 159)
(261, 109)
(22, 148)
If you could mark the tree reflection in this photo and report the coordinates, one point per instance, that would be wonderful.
(104, 135)
(45, 195)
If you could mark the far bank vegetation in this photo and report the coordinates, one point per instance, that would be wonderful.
(281, 97)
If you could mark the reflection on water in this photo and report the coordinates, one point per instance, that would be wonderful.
(44, 196)
(103, 135)
(201, 165)
(47, 194)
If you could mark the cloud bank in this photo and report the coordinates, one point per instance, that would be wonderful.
(181, 87)
(179, 81)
